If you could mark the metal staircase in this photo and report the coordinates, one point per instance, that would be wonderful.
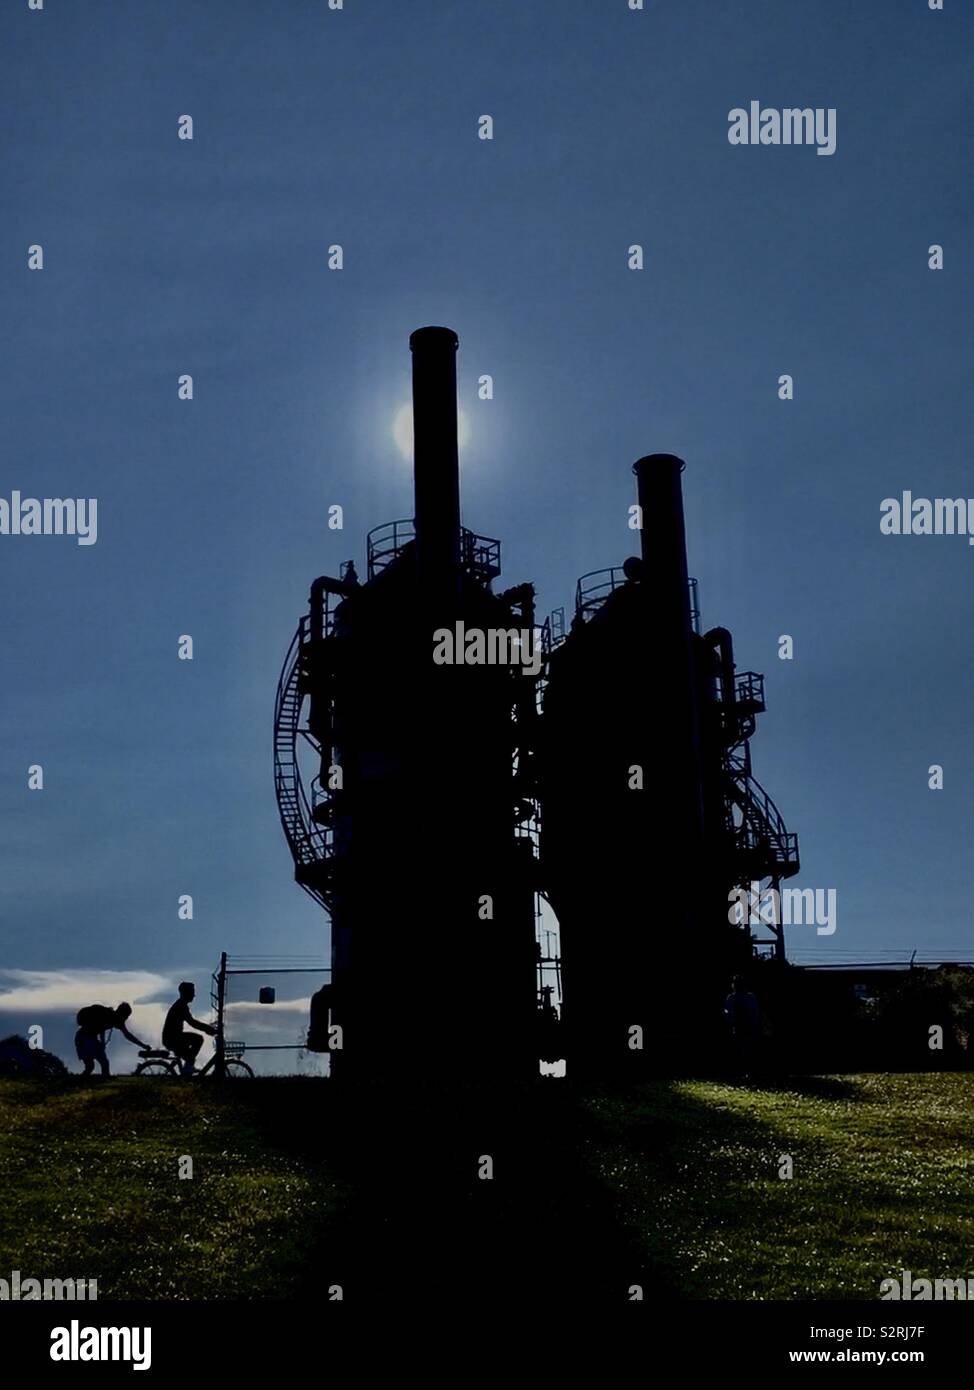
(760, 848)
(311, 844)
(763, 845)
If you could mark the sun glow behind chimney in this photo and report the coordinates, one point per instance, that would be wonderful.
(402, 430)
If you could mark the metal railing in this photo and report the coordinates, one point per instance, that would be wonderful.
(762, 838)
(384, 543)
(479, 555)
(594, 588)
(749, 691)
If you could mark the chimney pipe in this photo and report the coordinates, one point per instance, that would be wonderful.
(664, 551)
(664, 537)
(436, 465)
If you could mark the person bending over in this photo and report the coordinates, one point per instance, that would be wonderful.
(94, 1021)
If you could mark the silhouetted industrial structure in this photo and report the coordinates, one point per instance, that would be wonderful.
(649, 813)
(447, 800)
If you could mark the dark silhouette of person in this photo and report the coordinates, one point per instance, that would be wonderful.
(185, 1045)
(743, 1015)
(94, 1021)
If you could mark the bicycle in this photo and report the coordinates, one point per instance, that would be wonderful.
(159, 1061)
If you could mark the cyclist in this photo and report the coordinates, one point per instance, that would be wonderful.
(94, 1021)
(185, 1045)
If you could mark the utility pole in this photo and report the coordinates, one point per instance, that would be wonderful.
(221, 994)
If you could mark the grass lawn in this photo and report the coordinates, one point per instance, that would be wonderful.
(91, 1187)
(883, 1180)
(680, 1178)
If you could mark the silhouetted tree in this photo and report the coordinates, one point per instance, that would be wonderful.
(18, 1058)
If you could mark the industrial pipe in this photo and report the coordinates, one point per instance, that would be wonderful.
(436, 464)
(663, 535)
(665, 575)
(720, 638)
(316, 604)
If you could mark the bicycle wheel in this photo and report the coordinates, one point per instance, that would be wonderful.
(239, 1069)
(154, 1068)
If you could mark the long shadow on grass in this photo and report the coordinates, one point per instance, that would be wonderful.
(544, 1195)
(468, 1197)
(814, 1087)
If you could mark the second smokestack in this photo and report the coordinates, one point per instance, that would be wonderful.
(664, 541)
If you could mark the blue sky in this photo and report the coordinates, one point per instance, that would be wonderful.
(359, 127)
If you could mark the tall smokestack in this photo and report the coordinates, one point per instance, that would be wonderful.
(664, 537)
(664, 551)
(436, 464)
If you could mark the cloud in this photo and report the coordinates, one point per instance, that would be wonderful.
(56, 991)
(293, 1006)
(286, 1020)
